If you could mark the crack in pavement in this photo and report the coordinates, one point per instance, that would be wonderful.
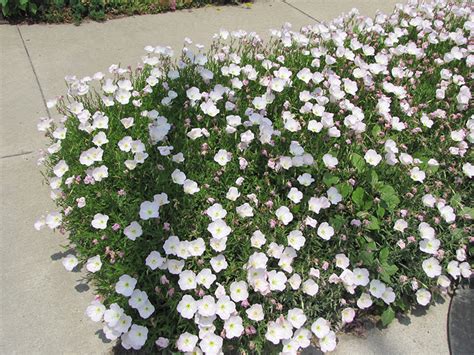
(303, 12)
(34, 72)
(16, 154)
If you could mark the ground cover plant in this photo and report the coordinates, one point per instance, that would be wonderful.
(76, 10)
(261, 197)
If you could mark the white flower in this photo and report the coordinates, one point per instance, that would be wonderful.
(60, 168)
(295, 195)
(334, 196)
(388, 296)
(364, 301)
(342, 261)
(295, 281)
(53, 220)
(187, 342)
(428, 200)
(400, 225)
(133, 230)
(209, 108)
(187, 307)
(187, 280)
(233, 194)
(305, 179)
(99, 221)
(423, 296)
(372, 157)
(178, 177)
(146, 310)
(310, 287)
(225, 307)
(277, 280)
(205, 278)
(296, 239)
(244, 210)
(238, 291)
(94, 264)
(417, 175)
(431, 267)
(316, 204)
(328, 342)
(149, 209)
(125, 285)
(361, 276)
(453, 269)
(258, 239)
(218, 263)
(468, 170)
(113, 314)
(100, 173)
(233, 327)
(70, 262)
(219, 229)
(377, 288)
(216, 212)
(325, 231)
(296, 317)
(154, 260)
(137, 298)
(284, 215)
(222, 157)
(320, 327)
(211, 344)
(329, 161)
(190, 187)
(95, 311)
(207, 306)
(430, 246)
(255, 312)
(347, 315)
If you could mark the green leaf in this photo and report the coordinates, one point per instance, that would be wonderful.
(366, 257)
(389, 196)
(33, 8)
(358, 196)
(330, 180)
(388, 316)
(375, 131)
(383, 255)
(374, 178)
(358, 162)
(345, 189)
(374, 224)
(380, 212)
(468, 211)
(456, 200)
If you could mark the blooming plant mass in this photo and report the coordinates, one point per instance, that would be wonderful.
(261, 197)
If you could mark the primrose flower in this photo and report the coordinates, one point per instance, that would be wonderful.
(95, 311)
(149, 209)
(423, 296)
(125, 285)
(70, 262)
(94, 264)
(100, 221)
(133, 230)
(325, 231)
(372, 157)
(219, 229)
(222, 157)
(284, 215)
(431, 267)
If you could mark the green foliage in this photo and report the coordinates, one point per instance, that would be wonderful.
(97, 10)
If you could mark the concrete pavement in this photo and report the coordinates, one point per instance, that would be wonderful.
(42, 306)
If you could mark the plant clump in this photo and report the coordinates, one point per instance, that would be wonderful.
(262, 197)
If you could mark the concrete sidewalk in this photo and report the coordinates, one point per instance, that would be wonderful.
(42, 306)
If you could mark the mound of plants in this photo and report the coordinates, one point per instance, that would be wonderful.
(55, 11)
(262, 196)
